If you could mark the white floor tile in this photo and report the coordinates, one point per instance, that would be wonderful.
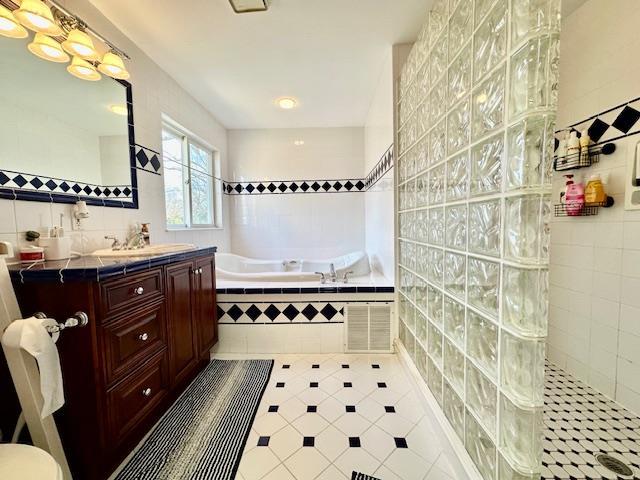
(292, 409)
(352, 424)
(257, 462)
(331, 409)
(306, 463)
(436, 474)
(279, 473)
(331, 443)
(332, 473)
(386, 474)
(269, 424)
(407, 465)
(395, 425)
(356, 459)
(377, 442)
(310, 424)
(285, 442)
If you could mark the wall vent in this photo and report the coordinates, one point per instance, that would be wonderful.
(368, 328)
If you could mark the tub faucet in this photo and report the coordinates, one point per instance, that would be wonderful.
(345, 276)
(323, 278)
(332, 272)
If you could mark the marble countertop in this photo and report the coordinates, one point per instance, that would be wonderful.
(90, 268)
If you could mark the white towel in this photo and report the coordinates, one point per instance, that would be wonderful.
(35, 340)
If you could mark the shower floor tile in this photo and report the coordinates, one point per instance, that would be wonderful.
(327, 415)
(580, 425)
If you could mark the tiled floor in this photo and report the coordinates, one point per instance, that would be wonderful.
(324, 416)
(580, 424)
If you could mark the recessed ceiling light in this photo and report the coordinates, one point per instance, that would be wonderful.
(246, 6)
(119, 109)
(298, 143)
(287, 103)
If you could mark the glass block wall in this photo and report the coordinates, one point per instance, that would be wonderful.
(475, 113)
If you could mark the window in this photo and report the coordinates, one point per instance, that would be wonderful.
(192, 186)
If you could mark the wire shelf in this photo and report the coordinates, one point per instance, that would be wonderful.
(577, 160)
(576, 210)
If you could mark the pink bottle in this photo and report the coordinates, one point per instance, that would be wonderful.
(574, 196)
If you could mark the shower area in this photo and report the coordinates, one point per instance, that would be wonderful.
(476, 129)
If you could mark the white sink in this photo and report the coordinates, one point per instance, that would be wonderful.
(161, 249)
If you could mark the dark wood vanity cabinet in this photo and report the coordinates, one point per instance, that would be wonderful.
(150, 333)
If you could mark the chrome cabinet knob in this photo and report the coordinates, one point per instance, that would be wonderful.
(146, 392)
(139, 291)
(144, 336)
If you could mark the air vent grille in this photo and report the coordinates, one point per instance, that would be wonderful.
(368, 328)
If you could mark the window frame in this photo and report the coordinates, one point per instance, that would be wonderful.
(187, 140)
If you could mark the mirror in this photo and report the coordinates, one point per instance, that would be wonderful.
(73, 136)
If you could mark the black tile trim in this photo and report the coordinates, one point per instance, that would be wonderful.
(613, 124)
(284, 187)
(147, 160)
(296, 291)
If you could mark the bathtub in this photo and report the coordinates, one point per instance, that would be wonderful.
(237, 268)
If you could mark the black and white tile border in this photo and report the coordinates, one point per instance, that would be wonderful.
(613, 124)
(581, 423)
(303, 290)
(279, 187)
(282, 313)
(147, 160)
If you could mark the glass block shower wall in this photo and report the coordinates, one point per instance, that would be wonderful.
(475, 115)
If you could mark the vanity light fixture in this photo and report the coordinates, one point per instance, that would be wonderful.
(287, 103)
(79, 44)
(48, 49)
(84, 70)
(298, 143)
(37, 16)
(9, 25)
(113, 66)
(119, 109)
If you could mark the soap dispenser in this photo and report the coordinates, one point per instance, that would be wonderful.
(573, 196)
(585, 141)
(594, 191)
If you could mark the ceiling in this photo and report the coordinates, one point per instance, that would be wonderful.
(328, 54)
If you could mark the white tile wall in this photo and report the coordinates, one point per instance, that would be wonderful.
(154, 93)
(595, 261)
(378, 135)
(311, 225)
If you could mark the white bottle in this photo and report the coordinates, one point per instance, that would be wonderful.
(573, 144)
(585, 141)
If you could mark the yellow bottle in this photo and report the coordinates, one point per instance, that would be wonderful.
(594, 191)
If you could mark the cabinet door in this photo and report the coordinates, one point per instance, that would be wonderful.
(183, 349)
(206, 321)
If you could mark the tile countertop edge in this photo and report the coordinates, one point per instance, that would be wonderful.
(53, 272)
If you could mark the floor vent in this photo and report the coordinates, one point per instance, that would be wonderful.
(615, 465)
(368, 328)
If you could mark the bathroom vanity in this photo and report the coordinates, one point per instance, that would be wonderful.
(152, 323)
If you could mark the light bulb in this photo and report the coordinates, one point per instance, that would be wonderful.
(79, 44)
(37, 16)
(287, 103)
(9, 26)
(47, 48)
(113, 66)
(82, 69)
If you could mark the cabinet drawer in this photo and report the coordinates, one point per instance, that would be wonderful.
(131, 340)
(130, 292)
(136, 397)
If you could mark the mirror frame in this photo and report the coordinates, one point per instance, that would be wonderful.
(33, 187)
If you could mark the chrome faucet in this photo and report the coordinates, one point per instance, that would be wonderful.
(135, 240)
(116, 245)
(323, 278)
(332, 272)
(345, 276)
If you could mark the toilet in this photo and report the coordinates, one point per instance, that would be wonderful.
(25, 462)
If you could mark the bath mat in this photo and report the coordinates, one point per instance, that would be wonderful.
(362, 476)
(202, 436)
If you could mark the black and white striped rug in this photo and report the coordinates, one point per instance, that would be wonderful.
(202, 436)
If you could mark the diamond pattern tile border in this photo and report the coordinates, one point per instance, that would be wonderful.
(270, 312)
(279, 187)
(613, 124)
(147, 159)
(581, 423)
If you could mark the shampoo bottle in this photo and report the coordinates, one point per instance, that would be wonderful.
(574, 196)
(594, 191)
